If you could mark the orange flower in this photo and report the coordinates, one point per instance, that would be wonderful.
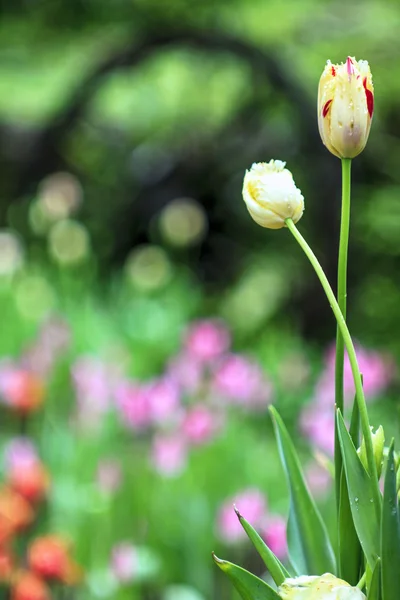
(15, 513)
(29, 586)
(6, 564)
(49, 557)
(31, 481)
(23, 391)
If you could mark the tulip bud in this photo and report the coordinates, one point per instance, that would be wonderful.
(325, 587)
(271, 195)
(378, 444)
(345, 107)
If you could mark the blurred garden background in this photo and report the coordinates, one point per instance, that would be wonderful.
(146, 321)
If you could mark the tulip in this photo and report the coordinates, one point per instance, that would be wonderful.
(271, 195)
(325, 587)
(29, 587)
(49, 557)
(345, 107)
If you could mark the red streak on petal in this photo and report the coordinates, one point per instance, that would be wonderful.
(350, 66)
(333, 71)
(325, 110)
(370, 98)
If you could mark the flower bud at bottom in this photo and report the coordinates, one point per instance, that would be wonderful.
(324, 587)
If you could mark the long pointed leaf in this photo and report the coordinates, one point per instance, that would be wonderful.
(390, 533)
(374, 591)
(310, 549)
(248, 585)
(365, 514)
(273, 564)
(350, 554)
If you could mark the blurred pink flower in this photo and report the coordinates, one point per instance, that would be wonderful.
(186, 372)
(133, 403)
(207, 340)
(242, 381)
(169, 455)
(376, 368)
(164, 400)
(124, 562)
(251, 503)
(318, 479)
(317, 423)
(109, 475)
(19, 453)
(52, 341)
(94, 382)
(274, 535)
(200, 424)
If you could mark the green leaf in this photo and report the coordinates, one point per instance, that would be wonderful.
(366, 515)
(350, 553)
(374, 590)
(248, 585)
(390, 533)
(273, 564)
(310, 550)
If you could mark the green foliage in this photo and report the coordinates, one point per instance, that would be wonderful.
(248, 585)
(390, 533)
(310, 549)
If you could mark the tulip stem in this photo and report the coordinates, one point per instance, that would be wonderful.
(342, 302)
(352, 357)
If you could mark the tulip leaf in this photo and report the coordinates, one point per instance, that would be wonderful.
(390, 533)
(310, 549)
(350, 554)
(248, 585)
(360, 489)
(273, 564)
(349, 549)
(374, 590)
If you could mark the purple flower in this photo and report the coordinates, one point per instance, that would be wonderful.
(274, 535)
(252, 505)
(200, 424)
(186, 371)
(169, 455)
(133, 404)
(317, 423)
(19, 453)
(241, 381)
(164, 401)
(124, 562)
(207, 340)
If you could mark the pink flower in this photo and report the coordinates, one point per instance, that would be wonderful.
(133, 404)
(20, 453)
(252, 505)
(109, 475)
(186, 372)
(169, 455)
(124, 562)
(94, 382)
(200, 424)
(240, 380)
(377, 373)
(207, 340)
(318, 479)
(317, 423)
(274, 535)
(164, 401)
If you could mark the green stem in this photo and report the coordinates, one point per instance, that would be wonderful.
(350, 351)
(342, 302)
(342, 278)
(361, 583)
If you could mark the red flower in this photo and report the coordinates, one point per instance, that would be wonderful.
(49, 557)
(31, 481)
(22, 391)
(29, 586)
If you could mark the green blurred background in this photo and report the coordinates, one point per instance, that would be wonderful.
(125, 131)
